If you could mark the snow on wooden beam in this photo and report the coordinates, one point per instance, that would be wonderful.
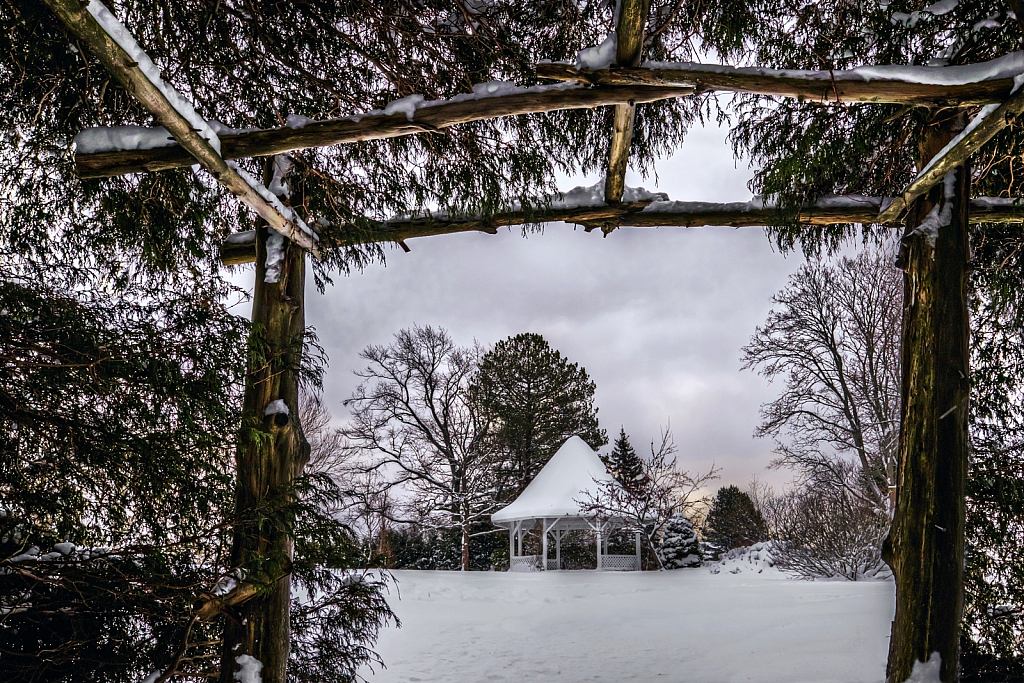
(240, 248)
(951, 86)
(629, 33)
(375, 126)
(126, 68)
(989, 121)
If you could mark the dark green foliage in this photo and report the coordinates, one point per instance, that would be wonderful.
(537, 399)
(993, 642)
(679, 546)
(114, 433)
(733, 521)
(624, 464)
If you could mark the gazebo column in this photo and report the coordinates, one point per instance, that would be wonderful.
(598, 530)
(519, 526)
(638, 565)
(544, 544)
(558, 549)
(511, 544)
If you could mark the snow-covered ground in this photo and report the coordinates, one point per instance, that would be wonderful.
(683, 625)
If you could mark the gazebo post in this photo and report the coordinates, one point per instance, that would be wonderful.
(638, 566)
(558, 549)
(598, 548)
(544, 543)
(519, 526)
(511, 544)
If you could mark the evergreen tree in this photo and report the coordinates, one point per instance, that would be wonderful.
(733, 521)
(679, 546)
(537, 399)
(624, 464)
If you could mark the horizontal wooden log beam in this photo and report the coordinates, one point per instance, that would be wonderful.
(983, 128)
(124, 67)
(838, 86)
(374, 127)
(241, 248)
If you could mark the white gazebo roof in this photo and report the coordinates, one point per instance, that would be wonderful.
(568, 478)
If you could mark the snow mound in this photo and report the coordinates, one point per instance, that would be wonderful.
(755, 559)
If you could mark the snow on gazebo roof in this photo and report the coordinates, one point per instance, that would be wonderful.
(566, 479)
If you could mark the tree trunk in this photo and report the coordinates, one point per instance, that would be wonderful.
(465, 549)
(925, 547)
(272, 453)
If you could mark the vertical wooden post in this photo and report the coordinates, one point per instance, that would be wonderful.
(599, 548)
(272, 453)
(511, 545)
(639, 566)
(925, 547)
(629, 34)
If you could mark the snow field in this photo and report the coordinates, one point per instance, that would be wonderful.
(682, 625)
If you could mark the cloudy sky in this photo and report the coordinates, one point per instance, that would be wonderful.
(656, 316)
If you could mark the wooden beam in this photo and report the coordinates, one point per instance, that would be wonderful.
(983, 128)
(127, 71)
(372, 127)
(240, 248)
(629, 44)
(822, 86)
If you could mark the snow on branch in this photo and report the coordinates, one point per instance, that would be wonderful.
(963, 85)
(408, 116)
(121, 54)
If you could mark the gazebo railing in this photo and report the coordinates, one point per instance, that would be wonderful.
(620, 563)
(526, 563)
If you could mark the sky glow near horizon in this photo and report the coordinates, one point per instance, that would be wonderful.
(656, 316)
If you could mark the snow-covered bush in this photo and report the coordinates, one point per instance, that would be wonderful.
(753, 559)
(679, 547)
(827, 531)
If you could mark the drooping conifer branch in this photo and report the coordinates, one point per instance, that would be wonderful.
(373, 126)
(126, 69)
(240, 248)
(882, 86)
(985, 126)
(628, 49)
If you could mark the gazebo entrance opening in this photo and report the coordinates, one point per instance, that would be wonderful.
(555, 529)
(557, 499)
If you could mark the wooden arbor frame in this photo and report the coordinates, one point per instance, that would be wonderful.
(278, 305)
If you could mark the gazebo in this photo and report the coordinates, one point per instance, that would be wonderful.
(554, 499)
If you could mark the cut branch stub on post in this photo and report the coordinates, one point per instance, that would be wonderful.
(985, 126)
(126, 70)
(884, 86)
(629, 43)
(374, 126)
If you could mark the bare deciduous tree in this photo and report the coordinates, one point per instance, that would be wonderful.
(835, 339)
(663, 491)
(415, 422)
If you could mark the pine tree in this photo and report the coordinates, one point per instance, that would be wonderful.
(624, 464)
(733, 521)
(537, 399)
(679, 547)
